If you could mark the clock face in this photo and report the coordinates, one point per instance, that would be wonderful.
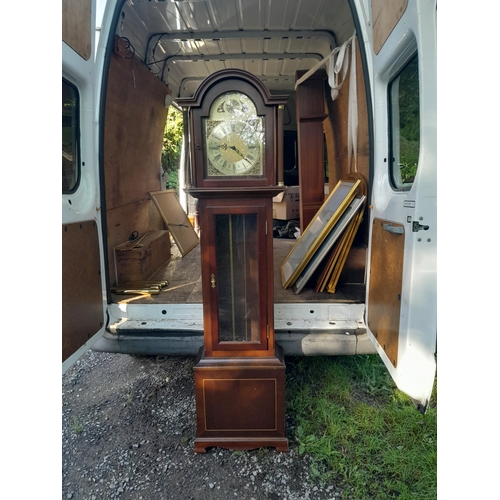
(234, 137)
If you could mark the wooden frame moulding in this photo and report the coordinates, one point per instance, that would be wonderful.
(344, 252)
(176, 219)
(317, 230)
(334, 235)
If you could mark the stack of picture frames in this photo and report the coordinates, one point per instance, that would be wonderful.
(327, 240)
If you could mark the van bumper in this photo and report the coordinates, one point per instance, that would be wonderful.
(177, 330)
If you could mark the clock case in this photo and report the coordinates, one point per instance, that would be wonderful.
(240, 383)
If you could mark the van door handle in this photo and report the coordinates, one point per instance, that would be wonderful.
(393, 229)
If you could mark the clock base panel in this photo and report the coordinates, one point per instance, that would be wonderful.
(240, 403)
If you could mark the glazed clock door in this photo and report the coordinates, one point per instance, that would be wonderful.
(235, 280)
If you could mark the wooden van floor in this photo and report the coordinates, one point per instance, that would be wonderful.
(184, 280)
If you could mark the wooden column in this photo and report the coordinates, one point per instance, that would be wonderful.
(310, 105)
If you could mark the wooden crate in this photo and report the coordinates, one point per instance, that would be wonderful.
(142, 263)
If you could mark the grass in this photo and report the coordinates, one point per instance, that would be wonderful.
(360, 430)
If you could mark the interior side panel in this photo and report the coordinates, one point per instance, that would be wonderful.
(336, 134)
(385, 16)
(81, 285)
(134, 125)
(76, 26)
(386, 280)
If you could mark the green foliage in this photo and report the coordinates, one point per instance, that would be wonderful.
(360, 430)
(408, 159)
(409, 101)
(409, 116)
(171, 149)
(77, 426)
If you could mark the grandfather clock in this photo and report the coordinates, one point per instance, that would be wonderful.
(235, 130)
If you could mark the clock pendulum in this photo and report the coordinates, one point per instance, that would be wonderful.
(234, 127)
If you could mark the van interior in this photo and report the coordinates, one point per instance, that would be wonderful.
(161, 51)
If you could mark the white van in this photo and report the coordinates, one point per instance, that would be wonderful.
(371, 66)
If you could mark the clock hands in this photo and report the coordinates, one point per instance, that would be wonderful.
(235, 149)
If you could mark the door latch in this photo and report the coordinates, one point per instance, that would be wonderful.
(419, 227)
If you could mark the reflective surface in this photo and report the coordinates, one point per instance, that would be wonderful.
(405, 126)
(234, 137)
(237, 277)
(70, 136)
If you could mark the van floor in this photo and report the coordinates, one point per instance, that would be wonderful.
(184, 280)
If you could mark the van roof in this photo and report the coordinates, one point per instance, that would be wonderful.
(183, 42)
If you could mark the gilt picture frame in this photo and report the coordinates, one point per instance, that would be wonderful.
(176, 219)
(328, 243)
(317, 230)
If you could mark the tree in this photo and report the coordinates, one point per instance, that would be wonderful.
(171, 149)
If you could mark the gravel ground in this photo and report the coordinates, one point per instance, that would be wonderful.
(128, 433)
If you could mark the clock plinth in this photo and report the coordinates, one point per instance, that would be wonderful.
(240, 371)
(240, 402)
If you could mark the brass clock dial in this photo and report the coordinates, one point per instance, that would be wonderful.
(234, 137)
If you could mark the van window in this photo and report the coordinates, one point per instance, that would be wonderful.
(70, 137)
(404, 116)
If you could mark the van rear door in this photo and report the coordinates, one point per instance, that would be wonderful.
(83, 300)
(401, 276)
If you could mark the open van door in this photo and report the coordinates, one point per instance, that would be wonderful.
(83, 300)
(401, 274)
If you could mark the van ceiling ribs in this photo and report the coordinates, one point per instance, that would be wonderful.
(156, 39)
(201, 53)
(223, 57)
(218, 35)
(188, 85)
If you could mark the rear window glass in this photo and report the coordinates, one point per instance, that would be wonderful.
(404, 115)
(70, 138)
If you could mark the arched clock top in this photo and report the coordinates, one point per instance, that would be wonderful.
(235, 132)
(230, 75)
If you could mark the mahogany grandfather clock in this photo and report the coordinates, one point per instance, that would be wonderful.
(235, 137)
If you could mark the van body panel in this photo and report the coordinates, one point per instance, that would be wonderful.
(405, 213)
(83, 271)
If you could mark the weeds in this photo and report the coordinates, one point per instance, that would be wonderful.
(360, 430)
(129, 398)
(77, 426)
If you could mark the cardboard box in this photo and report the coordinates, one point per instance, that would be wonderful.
(141, 263)
(286, 204)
